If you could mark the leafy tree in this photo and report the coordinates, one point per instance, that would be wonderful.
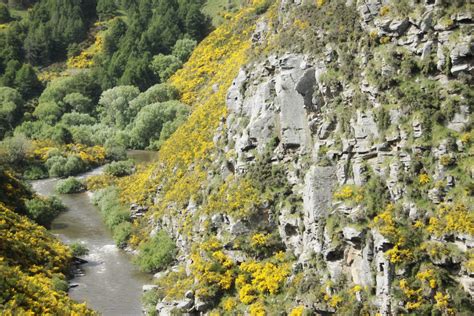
(4, 14)
(34, 130)
(77, 102)
(26, 82)
(11, 106)
(58, 89)
(48, 112)
(150, 121)
(165, 65)
(38, 45)
(13, 150)
(60, 135)
(112, 38)
(158, 93)
(106, 9)
(183, 48)
(8, 78)
(138, 73)
(196, 24)
(114, 105)
(77, 119)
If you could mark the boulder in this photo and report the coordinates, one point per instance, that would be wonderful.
(352, 234)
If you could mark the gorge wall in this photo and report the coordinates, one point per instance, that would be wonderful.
(337, 177)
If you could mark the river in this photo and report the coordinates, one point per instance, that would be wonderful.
(110, 285)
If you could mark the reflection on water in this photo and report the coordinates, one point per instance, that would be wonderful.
(110, 284)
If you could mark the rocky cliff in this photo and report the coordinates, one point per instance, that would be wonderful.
(337, 178)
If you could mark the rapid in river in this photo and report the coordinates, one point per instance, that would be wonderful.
(110, 284)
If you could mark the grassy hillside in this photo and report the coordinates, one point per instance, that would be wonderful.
(216, 9)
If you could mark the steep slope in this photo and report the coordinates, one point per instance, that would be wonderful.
(327, 166)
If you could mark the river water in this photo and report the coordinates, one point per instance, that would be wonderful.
(110, 285)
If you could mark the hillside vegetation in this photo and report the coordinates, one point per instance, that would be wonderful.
(277, 201)
(314, 157)
(33, 263)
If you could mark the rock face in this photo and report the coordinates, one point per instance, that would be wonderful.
(355, 157)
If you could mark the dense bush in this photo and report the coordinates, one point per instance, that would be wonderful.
(69, 185)
(59, 166)
(11, 106)
(183, 49)
(60, 283)
(164, 66)
(35, 172)
(122, 233)
(77, 102)
(48, 112)
(60, 90)
(155, 122)
(79, 249)
(13, 150)
(44, 210)
(156, 253)
(114, 105)
(158, 93)
(77, 119)
(119, 168)
(116, 216)
(4, 14)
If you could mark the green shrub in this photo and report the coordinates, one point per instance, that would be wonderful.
(59, 283)
(122, 233)
(115, 215)
(79, 249)
(74, 165)
(158, 93)
(48, 112)
(155, 122)
(77, 102)
(69, 185)
(13, 150)
(183, 48)
(44, 210)
(149, 301)
(164, 66)
(59, 166)
(56, 165)
(11, 108)
(119, 168)
(156, 253)
(115, 148)
(77, 119)
(35, 173)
